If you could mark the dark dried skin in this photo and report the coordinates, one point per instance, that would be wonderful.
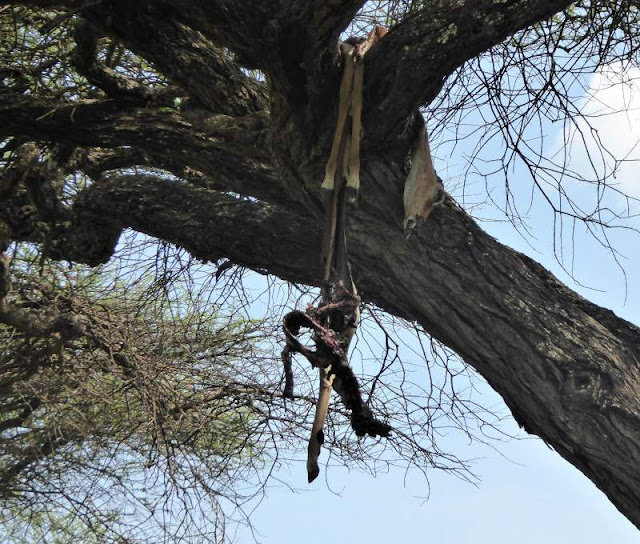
(330, 352)
(567, 368)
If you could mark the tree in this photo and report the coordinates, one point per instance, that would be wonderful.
(207, 125)
(110, 389)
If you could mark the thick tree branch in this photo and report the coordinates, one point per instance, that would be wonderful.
(302, 28)
(32, 324)
(291, 42)
(205, 70)
(331, 18)
(49, 445)
(228, 23)
(209, 225)
(115, 85)
(67, 326)
(234, 149)
(27, 408)
(408, 67)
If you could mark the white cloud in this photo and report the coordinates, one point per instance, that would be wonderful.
(611, 106)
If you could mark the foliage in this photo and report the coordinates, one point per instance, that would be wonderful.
(145, 397)
(166, 414)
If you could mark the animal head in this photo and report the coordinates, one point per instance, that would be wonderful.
(432, 195)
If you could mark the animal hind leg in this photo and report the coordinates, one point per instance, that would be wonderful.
(317, 432)
(344, 104)
(353, 159)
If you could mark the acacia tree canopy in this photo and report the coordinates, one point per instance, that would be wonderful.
(208, 124)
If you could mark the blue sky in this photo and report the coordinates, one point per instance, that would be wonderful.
(527, 493)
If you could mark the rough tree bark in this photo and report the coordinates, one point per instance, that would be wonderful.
(568, 369)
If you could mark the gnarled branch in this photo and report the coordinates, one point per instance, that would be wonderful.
(235, 150)
(407, 68)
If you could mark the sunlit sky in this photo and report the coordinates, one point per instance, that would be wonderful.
(527, 493)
